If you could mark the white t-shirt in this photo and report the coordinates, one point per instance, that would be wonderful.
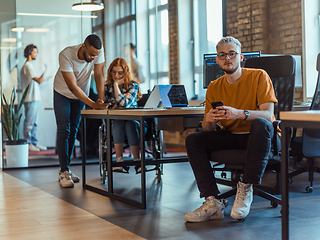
(27, 74)
(69, 62)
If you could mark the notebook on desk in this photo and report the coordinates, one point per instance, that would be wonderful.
(169, 95)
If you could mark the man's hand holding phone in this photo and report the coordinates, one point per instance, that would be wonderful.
(217, 112)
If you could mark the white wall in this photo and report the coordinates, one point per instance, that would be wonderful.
(142, 41)
(185, 46)
(310, 43)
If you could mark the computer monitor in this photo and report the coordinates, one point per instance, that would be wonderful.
(212, 71)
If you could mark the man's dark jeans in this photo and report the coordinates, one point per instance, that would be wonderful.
(258, 144)
(68, 116)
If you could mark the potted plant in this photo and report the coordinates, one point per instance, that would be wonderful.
(16, 149)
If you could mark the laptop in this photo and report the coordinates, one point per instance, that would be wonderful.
(169, 95)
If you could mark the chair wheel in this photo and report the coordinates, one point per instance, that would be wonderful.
(309, 189)
(274, 204)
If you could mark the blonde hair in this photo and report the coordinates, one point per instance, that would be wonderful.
(227, 40)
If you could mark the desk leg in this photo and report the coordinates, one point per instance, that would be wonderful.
(109, 157)
(83, 152)
(284, 183)
(143, 165)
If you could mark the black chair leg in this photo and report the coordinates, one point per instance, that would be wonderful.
(274, 200)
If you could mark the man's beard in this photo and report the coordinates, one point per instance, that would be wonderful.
(230, 71)
(85, 57)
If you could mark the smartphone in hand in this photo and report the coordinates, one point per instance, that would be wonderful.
(110, 100)
(216, 104)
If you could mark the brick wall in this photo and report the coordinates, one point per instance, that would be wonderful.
(269, 26)
(173, 42)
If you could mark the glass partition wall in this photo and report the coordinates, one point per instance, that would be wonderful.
(51, 26)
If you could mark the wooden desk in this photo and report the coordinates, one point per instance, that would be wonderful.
(295, 119)
(131, 114)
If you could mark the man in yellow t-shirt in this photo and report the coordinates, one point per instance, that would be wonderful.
(246, 119)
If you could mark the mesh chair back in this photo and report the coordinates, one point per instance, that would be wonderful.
(281, 70)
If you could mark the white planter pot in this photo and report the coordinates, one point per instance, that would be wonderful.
(17, 155)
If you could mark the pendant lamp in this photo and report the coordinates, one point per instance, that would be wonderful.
(88, 6)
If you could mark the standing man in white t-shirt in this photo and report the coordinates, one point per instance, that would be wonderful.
(71, 90)
(29, 76)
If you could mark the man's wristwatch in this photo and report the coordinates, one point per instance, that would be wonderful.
(246, 113)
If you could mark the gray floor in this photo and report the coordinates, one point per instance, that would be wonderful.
(177, 194)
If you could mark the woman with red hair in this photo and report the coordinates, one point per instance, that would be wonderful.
(122, 90)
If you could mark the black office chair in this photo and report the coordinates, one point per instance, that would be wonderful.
(153, 142)
(308, 145)
(281, 70)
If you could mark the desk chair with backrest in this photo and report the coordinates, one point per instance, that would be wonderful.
(308, 145)
(281, 70)
(153, 138)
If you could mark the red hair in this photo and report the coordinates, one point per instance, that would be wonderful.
(128, 78)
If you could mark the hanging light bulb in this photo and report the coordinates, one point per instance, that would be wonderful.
(91, 6)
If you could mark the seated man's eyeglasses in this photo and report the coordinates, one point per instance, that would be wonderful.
(231, 54)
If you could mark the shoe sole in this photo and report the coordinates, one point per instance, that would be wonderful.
(215, 216)
(239, 218)
(121, 170)
(75, 180)
(67, 186)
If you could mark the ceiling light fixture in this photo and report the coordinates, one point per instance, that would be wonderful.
(54, 15)
(9, 40)
(92, 6)
(17, 29)
(37, 30)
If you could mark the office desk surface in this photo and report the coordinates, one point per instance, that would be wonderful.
(146, 112)
(308, 115)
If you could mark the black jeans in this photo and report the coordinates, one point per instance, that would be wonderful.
(257, 143)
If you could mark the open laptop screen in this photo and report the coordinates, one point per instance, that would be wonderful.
(169, 95)
(173, 96)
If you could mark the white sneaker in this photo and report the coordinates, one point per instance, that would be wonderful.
(41, 148)
(210, 209)
(65, 179)
(74, 177)
(33, 148)
(242, 203)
